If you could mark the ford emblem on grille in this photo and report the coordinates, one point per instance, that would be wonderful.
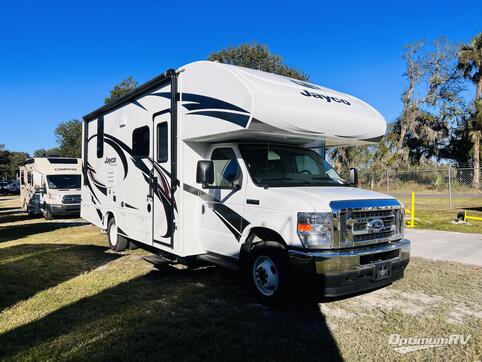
(375, 225)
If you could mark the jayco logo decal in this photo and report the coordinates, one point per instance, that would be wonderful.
(307, 93)
(111, 161)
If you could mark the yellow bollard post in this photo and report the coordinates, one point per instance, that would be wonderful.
(412, 220)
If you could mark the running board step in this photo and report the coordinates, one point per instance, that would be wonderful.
(156, 260)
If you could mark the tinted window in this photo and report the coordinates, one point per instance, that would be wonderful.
(100, 137)
(226, 168)
(63, 160)
(276, 165)
(64, 181)
(162, 142)
(140, 142)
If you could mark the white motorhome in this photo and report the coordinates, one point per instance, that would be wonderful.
(50, 186)
(225, 164)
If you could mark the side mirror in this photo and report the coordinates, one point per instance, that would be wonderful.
(205, 172)
(353, 177)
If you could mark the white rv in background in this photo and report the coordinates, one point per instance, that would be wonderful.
(225, 164)
(50, 186)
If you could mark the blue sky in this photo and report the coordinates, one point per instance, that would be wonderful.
(59, 59)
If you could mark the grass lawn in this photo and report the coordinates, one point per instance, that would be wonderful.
(434, 213)
(65, 296)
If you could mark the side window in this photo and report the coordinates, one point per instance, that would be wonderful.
(162, 142)
(22, 177)
(140, 142)
(227, 172)
(29, 178)
(100, 137)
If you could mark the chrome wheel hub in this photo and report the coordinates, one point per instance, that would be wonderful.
(113, 234)
(265, 275)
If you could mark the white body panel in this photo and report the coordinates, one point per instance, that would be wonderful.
(218, 106)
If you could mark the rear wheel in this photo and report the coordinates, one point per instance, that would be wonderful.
(268, 273)
(116, 242)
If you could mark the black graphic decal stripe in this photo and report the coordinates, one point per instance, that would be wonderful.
(198, 101)
(135, 102)
(198, 104)
(231, 228)
(99, 214)
(121, 154)
(236, 222)
(99, 185)
(161, 191)
(236, 118)
(130, 206)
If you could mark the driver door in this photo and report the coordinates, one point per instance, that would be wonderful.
(223, 204)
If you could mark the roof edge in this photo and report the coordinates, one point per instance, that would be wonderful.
(129, 96)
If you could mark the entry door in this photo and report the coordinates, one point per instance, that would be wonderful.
(163, 206)
(223, 204)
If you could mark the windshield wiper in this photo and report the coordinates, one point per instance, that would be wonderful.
(330, 179)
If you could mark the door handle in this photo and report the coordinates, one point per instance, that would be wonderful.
(203, 209)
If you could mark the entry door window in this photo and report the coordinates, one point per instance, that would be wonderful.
(227, 172)
(162, 142)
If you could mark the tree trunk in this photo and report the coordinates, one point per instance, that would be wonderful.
(476, 159)
(478, 90)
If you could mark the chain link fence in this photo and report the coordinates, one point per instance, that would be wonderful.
(443, 181)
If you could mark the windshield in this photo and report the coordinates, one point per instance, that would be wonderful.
(63, 181)
(275, 165)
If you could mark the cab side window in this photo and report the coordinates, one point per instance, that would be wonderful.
(227, 172)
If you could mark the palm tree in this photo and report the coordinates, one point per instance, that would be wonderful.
(470, 62)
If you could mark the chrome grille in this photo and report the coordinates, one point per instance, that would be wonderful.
(71, 199)
(361, 222)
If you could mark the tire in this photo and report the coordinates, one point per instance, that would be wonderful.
(116, 242)
(268, 272)
(48, 214)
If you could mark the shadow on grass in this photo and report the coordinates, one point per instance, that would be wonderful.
(198, 314)
(13, 216)
(475, 208)
(2, 209)
(29, 268)
(14, 232)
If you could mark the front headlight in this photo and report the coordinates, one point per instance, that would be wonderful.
(54, 197)
(315, 229)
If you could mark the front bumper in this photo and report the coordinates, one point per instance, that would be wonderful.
(348, 271)
(64, 210)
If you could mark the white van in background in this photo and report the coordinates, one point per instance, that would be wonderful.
(50, 186)
(225, 164)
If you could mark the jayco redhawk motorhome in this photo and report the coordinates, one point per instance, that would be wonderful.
(50, 186)
(225, 164)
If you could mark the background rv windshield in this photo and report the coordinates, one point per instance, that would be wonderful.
(275, 165)
(64, 181)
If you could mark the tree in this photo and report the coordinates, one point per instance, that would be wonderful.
(430, 99)
(120, 89)
(256, 56)
(16, 158)
(49, 152)
(69, 138)
(470, 62)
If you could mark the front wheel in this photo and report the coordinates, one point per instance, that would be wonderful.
(48, 213)
(268, 273)
(116, 242)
